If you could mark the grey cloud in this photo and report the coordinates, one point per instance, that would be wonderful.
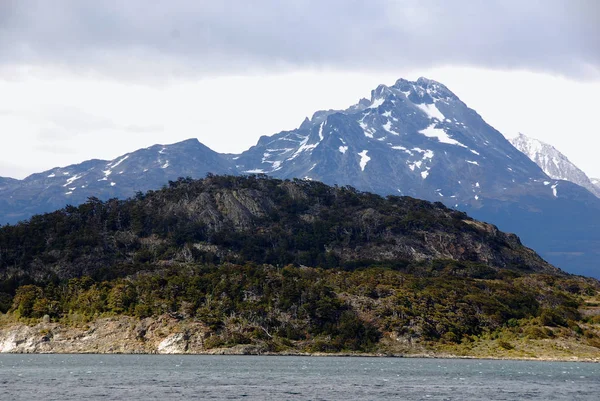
(140, 38)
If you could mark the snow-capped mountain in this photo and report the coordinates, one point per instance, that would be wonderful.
(412, 138)
(554, 163)
(142, 170)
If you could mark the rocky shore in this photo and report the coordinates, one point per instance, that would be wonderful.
(168, 335)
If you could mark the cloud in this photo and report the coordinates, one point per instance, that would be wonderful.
(141, 39)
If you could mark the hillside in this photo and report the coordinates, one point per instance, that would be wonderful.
(266, 265)
(252, 219)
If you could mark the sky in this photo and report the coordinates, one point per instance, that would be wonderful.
(82, 79)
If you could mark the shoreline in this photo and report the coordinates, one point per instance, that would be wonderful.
(232, 353)
(163, 335)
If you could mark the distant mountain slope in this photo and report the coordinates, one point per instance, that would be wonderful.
(144, 169)
(554, 163)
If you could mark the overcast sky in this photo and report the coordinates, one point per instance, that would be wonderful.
(95, 79)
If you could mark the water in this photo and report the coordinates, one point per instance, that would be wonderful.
(148, 377)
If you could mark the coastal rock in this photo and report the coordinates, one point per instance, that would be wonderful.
(122, 335)
(174, 344)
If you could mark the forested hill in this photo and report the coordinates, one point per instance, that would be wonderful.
(259, 220)
(282, 266)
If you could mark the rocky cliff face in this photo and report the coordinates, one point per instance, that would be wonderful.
(160, 335)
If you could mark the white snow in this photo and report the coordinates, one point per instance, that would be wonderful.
(427, 154)
(368, 131)
(66, 173)
(554, 191)
(364, 159)
(303, 148)
(474, 151)
(376, 103)
(477, 185)
(162, 151)
(255, 171)
(546, 183)
(402, 148)
(388, 127)
(117, 163)
(68, 193)
(321, 131)
(52, 175)
(387, 114)
(432, 111)
(112, 184)
(476, 197)
(472, 162)
(424, 174)
(165, 165)
(440, 134)
(74, 178)
(343, 149)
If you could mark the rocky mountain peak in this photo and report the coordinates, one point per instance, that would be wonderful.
(555, 164)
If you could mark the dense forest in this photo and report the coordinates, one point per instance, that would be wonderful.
(290, 264)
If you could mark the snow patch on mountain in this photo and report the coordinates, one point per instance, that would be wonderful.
(441, 135)
(364, 159)
(432, 111)
(377, 102)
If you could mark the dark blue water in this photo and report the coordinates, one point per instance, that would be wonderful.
(145, 377)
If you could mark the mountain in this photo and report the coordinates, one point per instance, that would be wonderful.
(419, 139)
(555, 164)
(285, 266)
(144, 169)
(414, 138)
